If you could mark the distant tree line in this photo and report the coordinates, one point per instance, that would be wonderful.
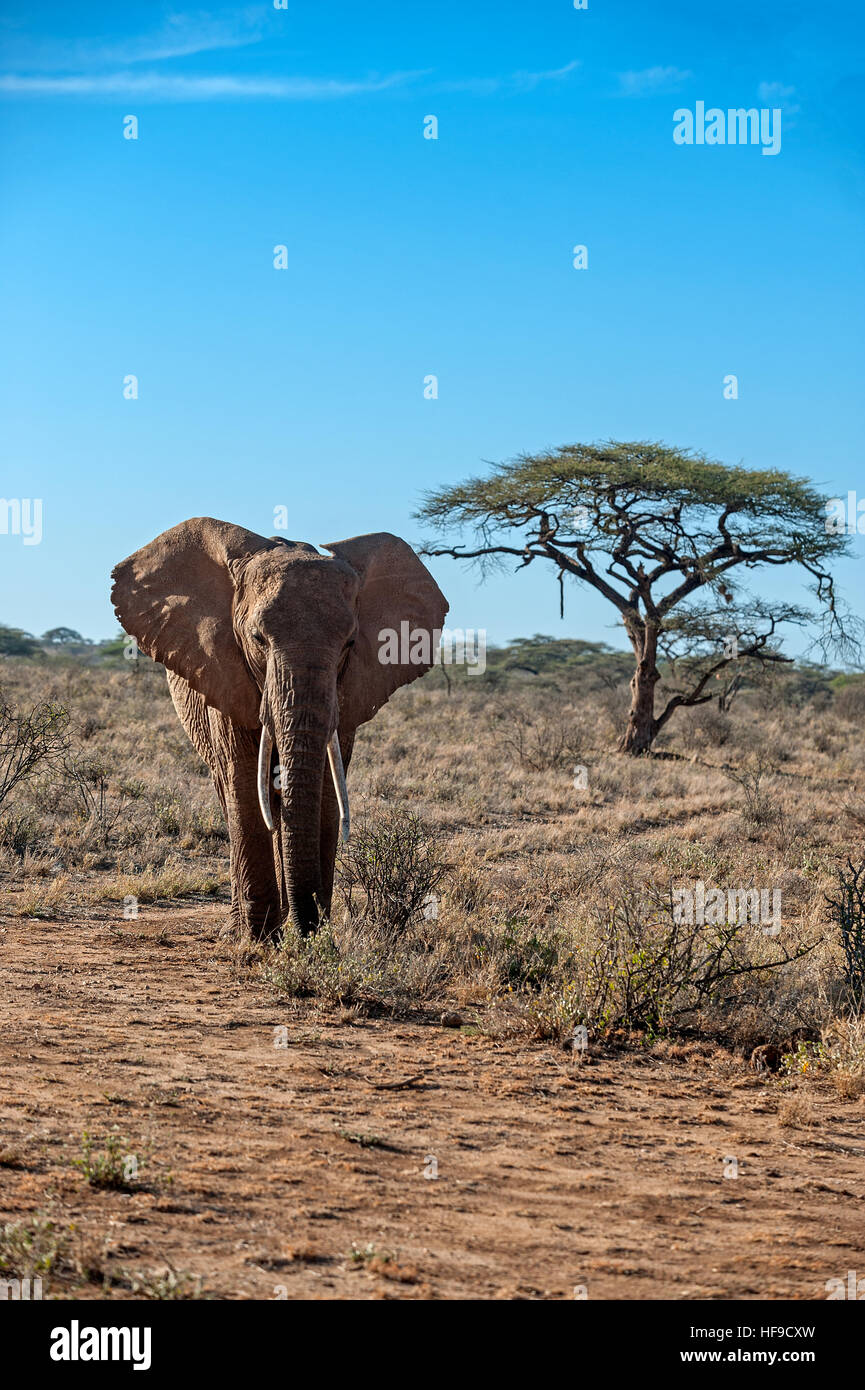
(566, 663)
(14, 641)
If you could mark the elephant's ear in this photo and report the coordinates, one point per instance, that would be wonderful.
(176, 597)
(395, 589)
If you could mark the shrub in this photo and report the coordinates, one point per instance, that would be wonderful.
(750, 777)
(115, 1168)
(848, 912)
(27, 740)
(20, 833)
(27, 1251)
(540, 744)
(849, 700)
(649, 970)
(528, 957)
(394, 865)
(315, 965)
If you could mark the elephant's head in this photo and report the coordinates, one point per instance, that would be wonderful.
(282, 638)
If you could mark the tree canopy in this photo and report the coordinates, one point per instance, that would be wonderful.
(657, 531)
(14, 641)
(64, 637)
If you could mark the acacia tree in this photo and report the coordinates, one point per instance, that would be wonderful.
(65, 637)
(658, 532)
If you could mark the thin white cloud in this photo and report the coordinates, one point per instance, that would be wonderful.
(161, 85)
(650, 80)
(181, 35)
(165, 87)
(522, 81)
(528, 80)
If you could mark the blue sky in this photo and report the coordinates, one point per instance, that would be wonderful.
(304, 387)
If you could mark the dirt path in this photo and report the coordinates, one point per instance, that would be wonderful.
(285, 1158)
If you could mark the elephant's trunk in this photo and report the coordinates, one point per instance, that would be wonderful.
(337, 772)
(301, 706)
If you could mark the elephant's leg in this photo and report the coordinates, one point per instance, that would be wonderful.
(231, 753)
(235, 917)
(330, 822)
(255, 896)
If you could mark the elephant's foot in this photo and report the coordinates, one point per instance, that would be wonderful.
(260, 918)
(233, 930)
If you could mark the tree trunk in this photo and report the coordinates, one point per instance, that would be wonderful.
(642, 725)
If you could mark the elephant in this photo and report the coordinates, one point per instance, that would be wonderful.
(274, 658)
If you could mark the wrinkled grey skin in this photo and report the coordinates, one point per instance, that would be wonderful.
(260, 632)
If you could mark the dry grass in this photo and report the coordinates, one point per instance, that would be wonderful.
(128, 812)
(530, 873)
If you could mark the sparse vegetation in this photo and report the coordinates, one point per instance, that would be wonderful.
(114, 1167)
(848, 911)
(479, 874)
(165, 1286)
(28, 740)
(105, 799)
(32, 1249)
(390, 870)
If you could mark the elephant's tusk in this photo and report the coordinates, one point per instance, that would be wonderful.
(337, 772)
(265, 748)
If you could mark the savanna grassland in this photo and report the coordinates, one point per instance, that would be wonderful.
(505, 1068)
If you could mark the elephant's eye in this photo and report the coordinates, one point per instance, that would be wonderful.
(256, 635)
